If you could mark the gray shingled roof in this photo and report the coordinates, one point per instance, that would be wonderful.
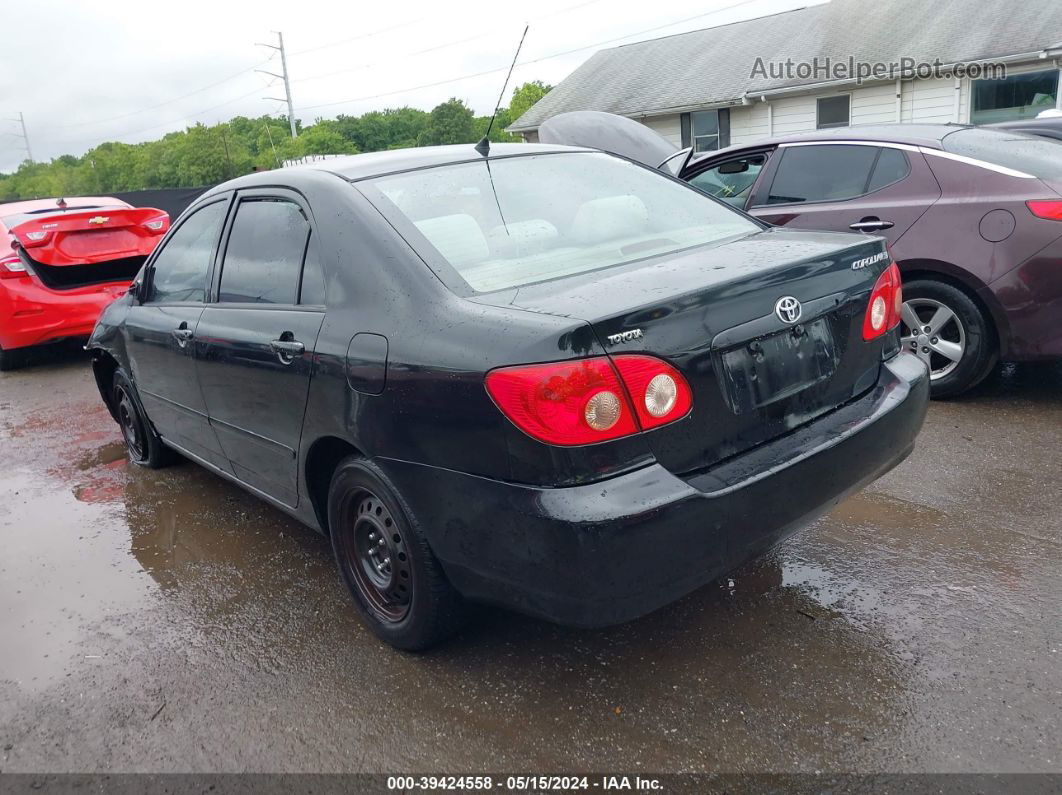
(713, 66)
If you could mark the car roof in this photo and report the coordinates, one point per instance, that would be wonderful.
(927, 135)
(372, 164)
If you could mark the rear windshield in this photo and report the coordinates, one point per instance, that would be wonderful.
(514, 221)
(1040, 157)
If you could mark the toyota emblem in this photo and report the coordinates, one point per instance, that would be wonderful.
(788, 309)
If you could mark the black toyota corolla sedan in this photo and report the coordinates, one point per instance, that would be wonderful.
(547, 378)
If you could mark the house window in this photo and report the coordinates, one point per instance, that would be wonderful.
(706, 130)
(832, 112)
(1015, 97)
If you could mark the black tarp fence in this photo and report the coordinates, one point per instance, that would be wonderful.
(172, 200)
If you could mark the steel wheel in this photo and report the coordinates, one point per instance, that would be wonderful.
(129, 422)
(934, 332)
(377, 559)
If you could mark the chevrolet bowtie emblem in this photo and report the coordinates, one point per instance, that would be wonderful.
(99, 219)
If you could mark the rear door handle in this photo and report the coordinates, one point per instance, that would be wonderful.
(287, 348)
(182, 334)
(871, 224)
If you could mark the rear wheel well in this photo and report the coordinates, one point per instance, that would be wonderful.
(103, 368)
(321, 462)
(914, 272)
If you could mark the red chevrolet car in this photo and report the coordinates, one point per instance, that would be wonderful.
(62, 262)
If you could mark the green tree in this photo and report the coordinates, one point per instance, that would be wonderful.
(525, 96)
(452, 122)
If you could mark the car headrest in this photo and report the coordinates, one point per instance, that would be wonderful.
(610, 218)
(522, 238)
(458, 238)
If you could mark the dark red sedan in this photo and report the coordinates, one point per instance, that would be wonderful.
(973, 217)
(62, 261)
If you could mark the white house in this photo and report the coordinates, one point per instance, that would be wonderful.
(731, 84)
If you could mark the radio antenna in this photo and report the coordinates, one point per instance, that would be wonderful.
(483, 147)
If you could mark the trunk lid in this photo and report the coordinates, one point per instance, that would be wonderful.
(71, 249)
(711, 312)
(87, 237)
(616, 134)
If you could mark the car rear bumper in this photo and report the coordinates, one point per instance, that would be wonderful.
(611, 551)
(31, 314)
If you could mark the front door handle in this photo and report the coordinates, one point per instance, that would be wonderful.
(182, 334)
(287, 348)
(871, 224)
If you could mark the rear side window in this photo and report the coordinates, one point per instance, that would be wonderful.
(181, 267)
(892, 166)
(822, 173)
(1033, 155)
(835, 173)
(263, 258)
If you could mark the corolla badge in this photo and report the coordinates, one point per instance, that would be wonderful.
(624, 336)
(867, 261)
(788, 309)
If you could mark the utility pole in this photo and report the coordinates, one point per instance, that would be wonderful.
(287, 84)
(25, 137)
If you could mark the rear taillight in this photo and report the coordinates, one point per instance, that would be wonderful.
(886, 300)
(11, 267)
(658, 391)
(158, 225)
(590, 400)
(1051, 210)
(37, 237)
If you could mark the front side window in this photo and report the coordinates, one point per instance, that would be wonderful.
(1015, 97)
(832, 112)
(263, 258)
(512, 221)
(822, 173)
(179, 272)
(731, 181)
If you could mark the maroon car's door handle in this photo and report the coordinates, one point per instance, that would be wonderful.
(871, 224)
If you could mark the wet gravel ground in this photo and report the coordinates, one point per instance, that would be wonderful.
(167, 621)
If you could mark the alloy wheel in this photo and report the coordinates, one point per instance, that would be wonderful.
(934, 332)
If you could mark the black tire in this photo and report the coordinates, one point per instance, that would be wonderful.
(398, 584)
(980, 347)
(143, 445)
(12, 360)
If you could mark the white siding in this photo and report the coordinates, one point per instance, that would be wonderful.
(668, 126)
(794, 114)
(929, 101)
(874, 104)
(749, 123)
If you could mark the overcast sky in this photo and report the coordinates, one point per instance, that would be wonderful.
(130, 71)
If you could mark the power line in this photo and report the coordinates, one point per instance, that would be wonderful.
(444, 45)
(352, 38)
(167, 102)
(461, 78)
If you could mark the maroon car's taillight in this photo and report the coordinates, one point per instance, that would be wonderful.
(590, 400)
(1051, 210)
(11, 267)
(886, 300)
